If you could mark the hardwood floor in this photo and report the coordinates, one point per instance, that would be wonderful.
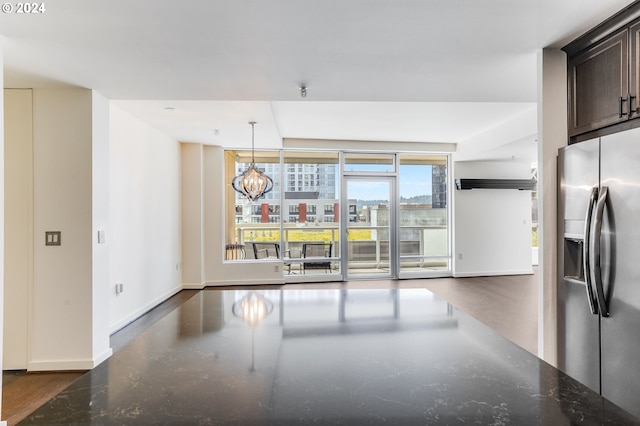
(23, 392)
(508, 304)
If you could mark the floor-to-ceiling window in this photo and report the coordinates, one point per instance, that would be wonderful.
(325, 216)
(423, 214)
(310, 232)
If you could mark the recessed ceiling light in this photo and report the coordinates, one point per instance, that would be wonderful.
(169, 108)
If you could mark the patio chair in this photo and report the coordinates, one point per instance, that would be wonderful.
(266, 250)
(292, 258)
(315, 250)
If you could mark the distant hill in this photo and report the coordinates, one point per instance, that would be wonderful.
(418, 199)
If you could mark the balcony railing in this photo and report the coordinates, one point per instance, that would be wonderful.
(421, 247)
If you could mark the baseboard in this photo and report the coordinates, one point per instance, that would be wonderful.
(140, 312)
(193, 286)
(492, 273)
(70, 365)
(278, 281)
(103, 357)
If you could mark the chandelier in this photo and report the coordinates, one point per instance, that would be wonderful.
(253, 183)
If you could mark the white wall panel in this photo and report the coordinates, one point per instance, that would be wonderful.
(145, 217)
(492, 226)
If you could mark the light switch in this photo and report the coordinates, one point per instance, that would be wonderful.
(101, 237)
(53, 238)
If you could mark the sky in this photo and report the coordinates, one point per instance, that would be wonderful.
(414, 180)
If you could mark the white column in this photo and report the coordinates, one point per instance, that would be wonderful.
(69, 329)
(552, 134)
(100, 285)
(18, 222)
(192, 216)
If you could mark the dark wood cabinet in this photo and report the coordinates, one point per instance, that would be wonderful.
(599, 85)
(604, 75)
(634, 69)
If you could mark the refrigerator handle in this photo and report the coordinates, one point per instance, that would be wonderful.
(597, 271)
(586, 251)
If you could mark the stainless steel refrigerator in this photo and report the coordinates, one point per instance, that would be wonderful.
(599, 266)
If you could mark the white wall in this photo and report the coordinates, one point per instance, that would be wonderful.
(144, 235)
(18, 242)
(100, 221)
(90, 173)
(493, 141)
(64, 334)
(492, 227)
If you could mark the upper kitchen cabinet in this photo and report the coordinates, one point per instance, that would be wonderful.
(599, 85)
(604, 74)
(634, 68)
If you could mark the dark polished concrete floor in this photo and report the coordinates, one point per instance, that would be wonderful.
(322, 356)
(517, 320)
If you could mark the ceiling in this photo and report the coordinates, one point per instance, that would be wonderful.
(376, 70)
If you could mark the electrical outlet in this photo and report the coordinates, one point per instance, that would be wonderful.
(276, 268)
(119, 288)
(459, 256)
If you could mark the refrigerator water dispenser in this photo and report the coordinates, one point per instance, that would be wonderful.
(573, 265)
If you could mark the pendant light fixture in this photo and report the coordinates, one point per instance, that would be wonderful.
(253, 183)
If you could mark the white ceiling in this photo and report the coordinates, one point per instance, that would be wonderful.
(384, 70)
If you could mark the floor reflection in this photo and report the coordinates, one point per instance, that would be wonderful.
(298, 307)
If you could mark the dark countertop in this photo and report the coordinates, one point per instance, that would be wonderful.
(352, 357)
